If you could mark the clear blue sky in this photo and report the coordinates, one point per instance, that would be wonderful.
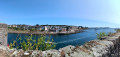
(92, 13)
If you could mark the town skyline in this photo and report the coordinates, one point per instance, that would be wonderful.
(45, 29)
(58, 25)
(66, 25)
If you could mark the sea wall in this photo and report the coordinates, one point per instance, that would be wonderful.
(3, 34)
(107, 47)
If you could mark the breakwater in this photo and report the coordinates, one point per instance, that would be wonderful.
(108, 47)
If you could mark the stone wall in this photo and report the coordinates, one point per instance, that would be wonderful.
(3, 34)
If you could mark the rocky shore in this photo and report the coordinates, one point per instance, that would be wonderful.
(108, 47)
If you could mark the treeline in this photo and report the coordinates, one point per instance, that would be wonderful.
(16, 28)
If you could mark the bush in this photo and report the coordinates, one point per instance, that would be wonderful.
(32, 29)
(110, 34)
(43, 30)
(101, 34)
(31, 43)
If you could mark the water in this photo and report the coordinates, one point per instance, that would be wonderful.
(71, 39)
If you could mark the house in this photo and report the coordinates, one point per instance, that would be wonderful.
(52, 28)
(64, 30)
(40, 28)
(19, 26)
(13, 26)
(32, 27)
(27, 27)
(47, 28)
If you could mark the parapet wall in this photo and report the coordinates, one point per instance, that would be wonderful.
(3, 34)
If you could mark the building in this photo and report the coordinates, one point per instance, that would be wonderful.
(64, 30)
(13, 25)
(47, 28)
(27, 27)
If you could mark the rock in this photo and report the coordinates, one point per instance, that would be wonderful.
(67, 49)
(36, 54)
(72, 51)
(51, 53)
(62, 54)
(26, 53)
(20, 53)
(15, 53)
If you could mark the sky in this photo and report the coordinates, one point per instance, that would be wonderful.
(90, 13)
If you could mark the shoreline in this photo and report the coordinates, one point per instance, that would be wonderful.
(38, 32)
(108, 46)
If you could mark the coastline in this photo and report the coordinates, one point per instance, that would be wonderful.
(107, 47)
(38, 32)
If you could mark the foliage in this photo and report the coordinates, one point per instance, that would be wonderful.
(37, 25)
(110, 33)
(32, 30)
(60, 30)
(15, 28)
(31, 43)
(43, 30)
(101, 34)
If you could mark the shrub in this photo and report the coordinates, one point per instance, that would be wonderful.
(101, 34)
(43, 30)
(110, 34)
(32, 29)
(31, 43)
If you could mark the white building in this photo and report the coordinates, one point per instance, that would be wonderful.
(46, 28)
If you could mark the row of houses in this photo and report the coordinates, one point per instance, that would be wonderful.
(49, 28)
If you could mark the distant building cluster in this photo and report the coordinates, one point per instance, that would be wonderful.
(48, 28)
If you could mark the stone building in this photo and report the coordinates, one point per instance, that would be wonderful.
(3, 34)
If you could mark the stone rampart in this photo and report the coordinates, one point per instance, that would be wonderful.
(3, 34)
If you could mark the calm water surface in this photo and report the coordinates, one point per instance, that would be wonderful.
(71, 39)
